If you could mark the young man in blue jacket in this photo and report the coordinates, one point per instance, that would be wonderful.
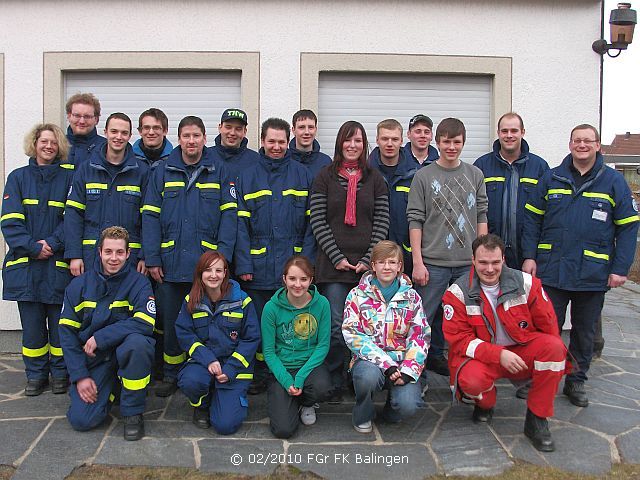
(106, 327)
(580, 239)
(304, 147)
(153, 145)
(420, 134)
(83, 114)
(231, 143)
(189, 208)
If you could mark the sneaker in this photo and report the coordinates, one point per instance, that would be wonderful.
(438, 365)
(167, 387)
(480, 415)
(576, 393)
(35, 387)
(133, 427)
(537, 430)
(308, 415)
(59, 385)
(365, 427)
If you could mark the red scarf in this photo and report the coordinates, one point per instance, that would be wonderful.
(352, 189)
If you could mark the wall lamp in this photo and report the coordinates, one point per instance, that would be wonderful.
(622, 20)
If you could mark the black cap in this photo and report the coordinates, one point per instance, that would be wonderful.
(234, 114)
(420, 118)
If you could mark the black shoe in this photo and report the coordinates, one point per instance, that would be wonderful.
(480, 415)
(537, 430)
(36, 387)
(523, 391)
(167, 387)
(59, 385)
(257, 387)
(133, 427)
(598, 346)
(438, 365)
(575, 392)
(201, 417)
(336, 397)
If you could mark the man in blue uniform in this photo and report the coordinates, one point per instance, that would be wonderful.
(511, 173)
(189, 208)
(153, 145)
(419, 146)
(106, 325)
(580, 239)
(83, 114)
(304, 147)
(231, 143)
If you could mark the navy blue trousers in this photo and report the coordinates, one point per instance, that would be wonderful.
(169, 298)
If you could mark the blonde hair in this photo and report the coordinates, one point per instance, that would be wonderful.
(114, 233)
(32, 137)
(85, 99)
(386, 249)
(389, 124)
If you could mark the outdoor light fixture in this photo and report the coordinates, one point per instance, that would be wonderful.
(623, 20)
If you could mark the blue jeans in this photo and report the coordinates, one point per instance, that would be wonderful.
(439, 280)
(402, 400)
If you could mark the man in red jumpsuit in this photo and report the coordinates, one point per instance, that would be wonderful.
(500, 323)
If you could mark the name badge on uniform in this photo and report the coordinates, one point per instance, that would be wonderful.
(599, 215)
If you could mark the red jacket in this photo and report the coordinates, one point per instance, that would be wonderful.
(468, 324)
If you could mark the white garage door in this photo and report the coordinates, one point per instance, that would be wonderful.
(372, 97)
(178, 94)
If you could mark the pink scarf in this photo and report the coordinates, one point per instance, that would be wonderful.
(352, 189)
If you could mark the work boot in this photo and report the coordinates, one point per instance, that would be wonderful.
(59, 385)
(537, 430)
(438, 365)
(36, 387)
(523, 391)
(201, 417)
(576, 393)
(133, 427)
(480, 415)
(167, 387)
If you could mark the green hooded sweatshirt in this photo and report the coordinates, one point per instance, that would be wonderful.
(295, 338)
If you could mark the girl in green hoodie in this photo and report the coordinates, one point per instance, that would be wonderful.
(296, 329)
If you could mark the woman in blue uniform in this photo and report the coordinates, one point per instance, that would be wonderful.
(35, 273)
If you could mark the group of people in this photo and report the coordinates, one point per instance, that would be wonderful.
(198, 265)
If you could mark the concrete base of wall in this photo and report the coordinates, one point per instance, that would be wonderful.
(10, 341)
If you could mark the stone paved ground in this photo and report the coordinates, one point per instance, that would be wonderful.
(36, 438)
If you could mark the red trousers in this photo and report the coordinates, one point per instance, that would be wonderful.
(545, 358)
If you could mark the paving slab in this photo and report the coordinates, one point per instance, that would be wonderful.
(578, 450)
(159, 452)
(615, 387)
(45, 405)
(629, 446)
(12, 382)
(21, 435)
(610, 420)
(631, 365)
(415, 429)
(330, 428)
(248, 457)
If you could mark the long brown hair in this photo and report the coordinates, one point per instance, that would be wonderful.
(198, 289)
(348, 130)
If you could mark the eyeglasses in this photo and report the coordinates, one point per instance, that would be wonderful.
(390, 263)
(148, 128)
(77, 116)
(586, 141)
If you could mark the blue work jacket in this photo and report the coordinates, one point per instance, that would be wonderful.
(227, 331)
(235, 160)
(509, 187)
(140, 155)
(32, 210)
(82, 146)
(98, 200)
(314, 160)
(432, 155)
(578, 236)
(185, 214)
(273, 219)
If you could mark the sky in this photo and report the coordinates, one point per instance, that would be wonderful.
(621, 85)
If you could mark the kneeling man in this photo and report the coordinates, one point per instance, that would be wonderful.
(106, 329)
(500, 323)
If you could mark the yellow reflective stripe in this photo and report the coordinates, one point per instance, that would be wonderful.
(244, 213)
(557, 191)
(544, 246)
(205, 185)
(307, 213)
(100, 186)
(71, 323)
(121, 303)
(494, 179)
(226, 206)
(258, 251)
(61, 264)
(52, 203)
(174, 184)
(159, 332)
(199, 400)
(130, 384)
(193, 347)
(85, 304)
(72, 203)
(17, 260)
(186, 297)
(168, 244)
(112, 397)
(212, 246)
(603, 196)
(400, 188)
(68, 166)
(239, 357)
(150, 208)
(145, 317)
(135, 245)
(533, 209)
(259, 356)
(35, 352)
(257, 194)
(30, 201)
(624, 221)
(295, 193)
(246, 302)
(89, 242)
(56, 351)
(177, 360)
(131, 188)
(601, 256)
(19, 216)
(199, 314)
(533, 181)
(244, 376)
(232, 314)
(297, 249)
(408, 249)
